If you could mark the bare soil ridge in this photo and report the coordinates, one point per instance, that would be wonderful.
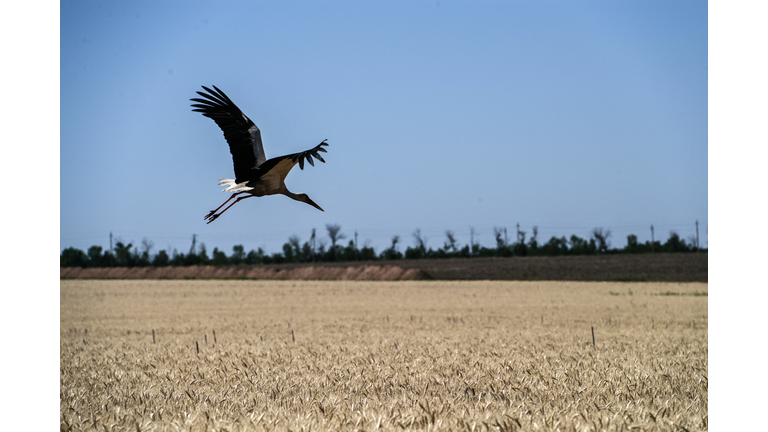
(312, 272)
(646, 268)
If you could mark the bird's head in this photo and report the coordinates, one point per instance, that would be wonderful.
(305, 198)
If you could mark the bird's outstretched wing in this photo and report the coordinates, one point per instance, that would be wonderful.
(282, 165)
(243, 136)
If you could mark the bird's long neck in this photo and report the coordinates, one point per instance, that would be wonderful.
(299, 197)
(284, 190)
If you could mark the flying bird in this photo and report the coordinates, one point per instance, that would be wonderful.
(254, 174)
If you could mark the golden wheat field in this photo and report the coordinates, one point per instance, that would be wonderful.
(423, 355)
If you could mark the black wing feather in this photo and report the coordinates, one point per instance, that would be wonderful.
(295, 158)
(242, 135)
(317, 156)
(308, 155)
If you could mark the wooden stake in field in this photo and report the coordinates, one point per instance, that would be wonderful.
(214, 336)
(197, 348)
(292, 337)
(153, 336)
(593, 337)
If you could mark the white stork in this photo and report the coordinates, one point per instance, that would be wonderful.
(254, 174)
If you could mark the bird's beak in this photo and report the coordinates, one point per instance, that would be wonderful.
(312, 203)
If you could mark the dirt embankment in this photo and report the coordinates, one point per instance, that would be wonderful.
(681, 267)
(360, 272)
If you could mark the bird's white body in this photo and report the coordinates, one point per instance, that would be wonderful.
(271, 183)
(233, 186)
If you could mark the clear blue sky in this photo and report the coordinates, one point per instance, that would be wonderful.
(440, 115)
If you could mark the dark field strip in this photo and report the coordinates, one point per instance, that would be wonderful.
(691, 267)
(621, 268)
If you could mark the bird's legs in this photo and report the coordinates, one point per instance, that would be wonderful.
(210, 214)
(212, 217)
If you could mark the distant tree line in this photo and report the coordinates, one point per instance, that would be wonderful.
(128, 255)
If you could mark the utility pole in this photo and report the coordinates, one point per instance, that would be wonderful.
(652, 240)
(111, 254)
(192, 249)
(312, 242)
(518, 232)
(697, 236)
(356, 250)
(471, 239)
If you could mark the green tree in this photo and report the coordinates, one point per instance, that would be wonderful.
(485, 252)
(367, 253)
(295, 243)
(190, 259)
(320, 253)
(450, 243)
(556, 246)
(123, 255)
(335, 235)
(219, 257)
(675, 244)
(632, 245)
(519, 248)
(72, 257)
(349, 253)
(306, 252)
(420, 251)
(533, 243)
(161, 259)
(580, 246)
(288, 254)
(96, 258)
(203, 255)
(391, 253)
(238, 255)
(601, 239)
(177, 259)
(255, 256)
(141, 259)
(146, 245)
(277, 258)
(501, 242)
(413, 253)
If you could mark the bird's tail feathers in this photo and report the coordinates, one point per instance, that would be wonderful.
(232, 186)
